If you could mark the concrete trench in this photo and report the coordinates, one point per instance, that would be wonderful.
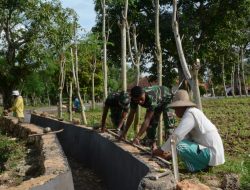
(120, 165)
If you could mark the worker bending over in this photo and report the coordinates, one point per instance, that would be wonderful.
(155, 99)
(118, 103)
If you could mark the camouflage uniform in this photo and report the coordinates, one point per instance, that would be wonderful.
(116, 109)
(157, 99)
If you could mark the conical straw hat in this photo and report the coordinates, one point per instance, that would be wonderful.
(181, 99)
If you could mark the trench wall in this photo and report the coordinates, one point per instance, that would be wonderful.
(56, 173)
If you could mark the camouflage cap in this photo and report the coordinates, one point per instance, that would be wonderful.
(124, 99)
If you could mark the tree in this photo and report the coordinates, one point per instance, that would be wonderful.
(193, 82)
(209, 29)
(123, 25)
(25, 27)
(136, 61)
(104, 38)
(158, 54)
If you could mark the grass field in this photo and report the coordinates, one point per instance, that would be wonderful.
(232, 118)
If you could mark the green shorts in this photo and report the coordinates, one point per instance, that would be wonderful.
(195, 159)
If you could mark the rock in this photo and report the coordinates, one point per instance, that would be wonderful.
(52, 116)
(212, 181)
(76, 121)
(190, 185)
(4, 178)
(44, 114)
(164, 183)
(47, 130)
(231, 181)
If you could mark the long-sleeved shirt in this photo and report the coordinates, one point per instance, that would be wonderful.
(18, 107)
(196, 127)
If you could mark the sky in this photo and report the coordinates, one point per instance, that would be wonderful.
(85, 11)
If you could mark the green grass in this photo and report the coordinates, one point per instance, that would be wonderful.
(11, 152)
(232, 118)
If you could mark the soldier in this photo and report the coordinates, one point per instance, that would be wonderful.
(155, 99)
(118, 103)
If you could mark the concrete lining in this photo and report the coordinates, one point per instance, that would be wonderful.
(52, 162)
(120, 168)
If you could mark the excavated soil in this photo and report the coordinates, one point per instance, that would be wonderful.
(84, 178)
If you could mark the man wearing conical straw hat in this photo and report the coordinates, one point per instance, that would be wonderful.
(199, 144)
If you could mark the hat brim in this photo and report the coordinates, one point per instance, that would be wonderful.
(181, 103)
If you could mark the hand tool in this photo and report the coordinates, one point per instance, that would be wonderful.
(40, 134)
(174, 157)
(156, 177)
(140, 148)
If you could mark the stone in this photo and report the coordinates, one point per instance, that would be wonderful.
(164, 183)
(231, 181)
(44, 114)
(190, 185)
(76, 121)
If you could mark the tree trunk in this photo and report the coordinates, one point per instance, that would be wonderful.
(93, 83)
(238, 77)
(138, 112)
(212, 89)
(243, 71)
(78, 89)
(232, 80)
(70, 100)
(60, 104)
(123, 47)
(6, 93)
(223, 76)
(61, 82)
(175, 27)
(158, 54)
(211, 84)
(196, 89)
(76, 81)
(47, 93)
(93, 91)
(136, 61)
(105, 72)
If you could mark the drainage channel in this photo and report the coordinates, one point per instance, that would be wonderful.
(119, 165)
(84, 178)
